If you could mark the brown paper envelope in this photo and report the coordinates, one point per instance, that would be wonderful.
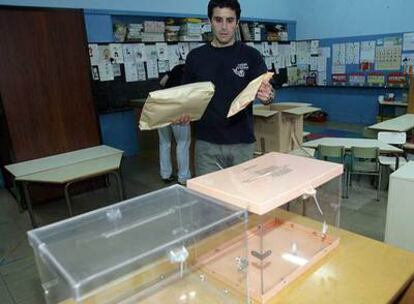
(163, 107)
(246, 96)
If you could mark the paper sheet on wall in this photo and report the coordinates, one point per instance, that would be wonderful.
(183, 50)
(151, 52)
(128, 52)
(173, 53)
(408, 42)
(275, 48)
(322, 63)
(152, 69)
(352, 53)
(140, 52)
(131, 73)
(116, 68)
(303, 52)
(314, 63)
(95, 72)
(325, 52)
(314, 47)
(162, 107)
(388, 57)
(338, 54)
(321, 81)
(269, 62)
(104, 53)
(266, 49)
(367, 51)
(93, 54)
(105, 71)
(163, 66)
(116, 53)
(162, 50)
(407, 62)
(142, 75)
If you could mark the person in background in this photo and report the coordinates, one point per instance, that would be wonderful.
(182, 135)
(230, 65)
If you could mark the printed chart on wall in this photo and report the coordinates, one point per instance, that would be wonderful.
(388, 53)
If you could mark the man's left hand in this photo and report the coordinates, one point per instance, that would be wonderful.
(266, 92)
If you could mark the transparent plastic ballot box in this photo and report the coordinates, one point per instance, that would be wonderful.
(143, 250)
(279, 250)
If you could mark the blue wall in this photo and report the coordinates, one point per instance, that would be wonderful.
(342, 18)
(271, 9)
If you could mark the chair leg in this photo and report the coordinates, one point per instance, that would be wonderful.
(379, 185)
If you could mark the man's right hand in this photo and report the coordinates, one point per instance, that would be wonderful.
(184, 119)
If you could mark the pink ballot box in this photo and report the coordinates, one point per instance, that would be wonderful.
(279, 250)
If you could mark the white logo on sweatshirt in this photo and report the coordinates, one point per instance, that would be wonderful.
(240, 69)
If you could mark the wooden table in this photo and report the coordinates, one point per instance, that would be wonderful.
(67, 168)
(352, 142)
(359, 270)
(402, 123)
(396, 104)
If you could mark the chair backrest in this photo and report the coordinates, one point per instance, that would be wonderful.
(331, 152)
(393, 138)
(365, 159)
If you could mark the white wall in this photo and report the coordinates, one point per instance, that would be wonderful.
(272, 9)
(341, 18)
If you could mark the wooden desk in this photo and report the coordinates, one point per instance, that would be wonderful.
(402, 123)
(359, 270)
(384, 104)
(67, 168)
(352, 142)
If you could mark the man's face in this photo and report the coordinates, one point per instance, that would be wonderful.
(223, 25)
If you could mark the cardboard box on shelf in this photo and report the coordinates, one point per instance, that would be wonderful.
(279, 127)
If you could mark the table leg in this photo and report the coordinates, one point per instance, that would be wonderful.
(67, 198)
(119, 181)
(29, 204)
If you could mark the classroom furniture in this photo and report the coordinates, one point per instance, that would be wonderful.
(402, 123)
(359, 270)
(45, 85)
(399, 225)
(394, 104)
(66, 169)
(335, 154)
(352, 142)
(393, 138)
(364, 161)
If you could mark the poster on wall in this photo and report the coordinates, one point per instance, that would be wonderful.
(93, 54)
(388, 55)
(106, 72)
(338, 54)
(116, 53)
(352, 53)
(408, 42)
(367, 51)
(131, 72)
(407, 62)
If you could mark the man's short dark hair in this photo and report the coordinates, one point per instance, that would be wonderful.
(231, 4)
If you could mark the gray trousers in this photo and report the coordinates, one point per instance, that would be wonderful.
(211, 157)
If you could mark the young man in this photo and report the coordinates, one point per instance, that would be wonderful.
(230, 65)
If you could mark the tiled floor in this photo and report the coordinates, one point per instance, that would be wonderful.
(19, 281)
